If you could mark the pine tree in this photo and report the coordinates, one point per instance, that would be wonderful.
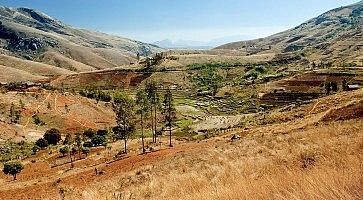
(152, 96)
(143, 110)
(169, 112)
(12, 113)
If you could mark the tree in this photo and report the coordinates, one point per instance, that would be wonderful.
(53, 136)
(143, 111)
(334, 86)
(12, 113)
(64, 150)
(123, 106)
(68, 140)
(89, 133)
(169, 112)
(13, 168)
(152, 96)
(78, 141)
(42, 143)
(98, 140)
(344, 84)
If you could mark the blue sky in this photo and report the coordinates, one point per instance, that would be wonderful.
(200, 20)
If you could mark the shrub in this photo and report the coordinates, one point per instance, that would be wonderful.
(37, 120)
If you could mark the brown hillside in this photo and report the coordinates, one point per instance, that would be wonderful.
(334, 35)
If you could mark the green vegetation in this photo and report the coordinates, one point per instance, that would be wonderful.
(64, 150)
(199, 66)
(96, 94)
(208, 79)
(11, 150)
(37, 120)
(255, 72)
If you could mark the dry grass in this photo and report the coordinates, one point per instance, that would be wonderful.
(323, 162)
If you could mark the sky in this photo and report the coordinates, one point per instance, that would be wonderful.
(197, 20)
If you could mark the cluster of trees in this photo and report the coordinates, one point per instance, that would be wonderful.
(146, 105)
(96, 94)
(51, 137)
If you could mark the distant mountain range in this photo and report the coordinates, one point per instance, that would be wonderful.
(190, 44)
(36, 45)
(334, 35)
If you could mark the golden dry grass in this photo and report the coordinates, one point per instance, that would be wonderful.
(318, 162)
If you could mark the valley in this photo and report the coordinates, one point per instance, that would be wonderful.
(87, 115)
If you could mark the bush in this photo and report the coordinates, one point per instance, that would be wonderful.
(13, 168)
(53, 136)
(42, 143)
(37, 120)
(98, 140)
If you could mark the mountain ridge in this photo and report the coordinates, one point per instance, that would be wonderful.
(33, 35)
(334, 35)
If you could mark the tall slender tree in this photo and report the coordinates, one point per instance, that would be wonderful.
(123, 107)
(143, 108)
(169, 112)
(152, 96)
(78, 140)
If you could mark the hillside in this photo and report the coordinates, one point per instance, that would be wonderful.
(334, 35)
(31, 35)
(300, 153)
